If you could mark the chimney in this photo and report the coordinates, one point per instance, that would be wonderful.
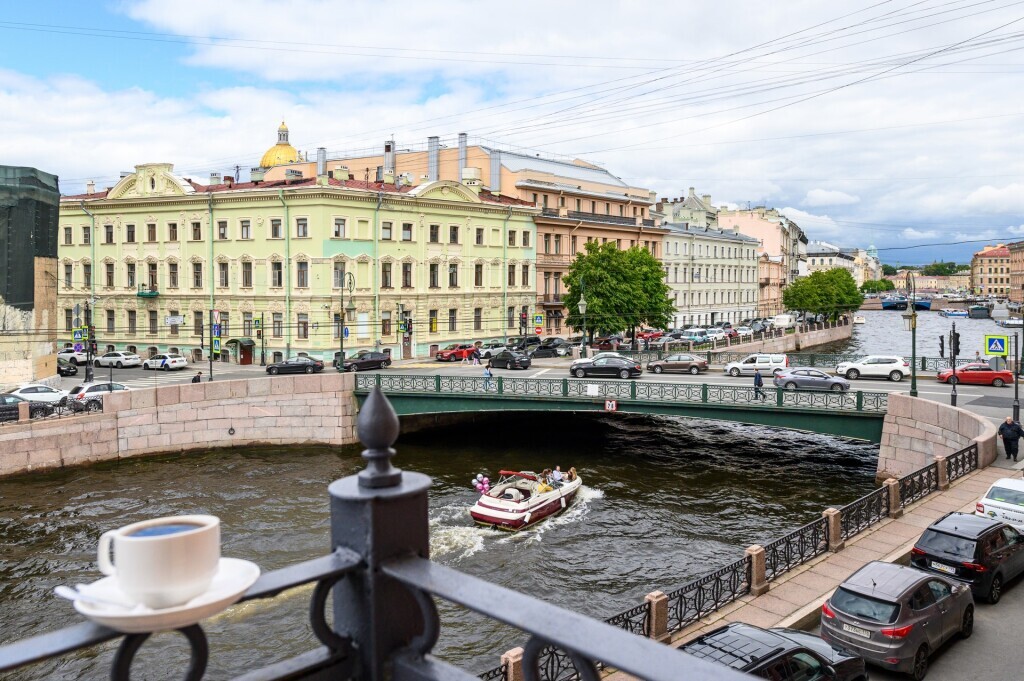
(691, 194)
(495, 172)
(471, 178)
(340, 172)
(214, 178)
(321, 162)
(706, 198)
(389, 176)
(433, 148)
(90, 187)
(462, 154)
(389, 156)
(257, 174)
(229, 181)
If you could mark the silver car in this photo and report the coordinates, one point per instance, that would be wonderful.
(809, 379)
(896, 617)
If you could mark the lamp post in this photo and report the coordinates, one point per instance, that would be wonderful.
(348, 282)
(583, 311)
(1016, 386)
(910, 322)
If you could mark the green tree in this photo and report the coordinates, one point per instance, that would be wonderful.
(939, 269)
(878, 286)
(654, 307)
(829, 292)
(888, 270)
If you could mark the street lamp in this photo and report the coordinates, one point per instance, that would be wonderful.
(910, 323)
(348, 282)
(583, 311)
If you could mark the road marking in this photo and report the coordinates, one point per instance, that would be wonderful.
(542, 371)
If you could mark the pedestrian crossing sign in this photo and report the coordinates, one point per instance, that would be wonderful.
(996, 345)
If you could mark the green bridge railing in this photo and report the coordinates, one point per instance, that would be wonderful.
(820, 360)
(624, 390)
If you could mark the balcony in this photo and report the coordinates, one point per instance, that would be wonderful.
(553, 259)
(599, 217)
(551, 298)
(147, 292)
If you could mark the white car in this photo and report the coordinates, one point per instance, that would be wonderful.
(1004, 501)
(36, 392)
(767, 363)
(118, 359)
(165, 362)
(717, 334)
(75, 358)
(744, 331)
(882, 366)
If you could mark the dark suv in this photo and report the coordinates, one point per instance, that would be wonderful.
(777, 654)
(982, 552)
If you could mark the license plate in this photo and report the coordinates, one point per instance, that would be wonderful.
(944, 568)
(864, 633)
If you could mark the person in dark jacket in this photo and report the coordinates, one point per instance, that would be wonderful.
(198, 377)
(758, 385)
(1010, 432)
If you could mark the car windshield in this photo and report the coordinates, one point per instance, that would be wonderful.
(77, 389)
(453, 346)
(361, 353)
(1006, 496)
(940, 542)
(865, 607)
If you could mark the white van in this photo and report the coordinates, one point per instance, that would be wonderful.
(1004, 501)
(783, 321)
(768, 364)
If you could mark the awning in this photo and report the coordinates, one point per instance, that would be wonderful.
(248, 342)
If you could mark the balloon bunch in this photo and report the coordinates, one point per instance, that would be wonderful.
(481, 483)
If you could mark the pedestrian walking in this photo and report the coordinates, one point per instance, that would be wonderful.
(1010, 431)
(759, 385)
(198, 377)
(465, 357)
(977, 356)
(487, 377)
(476, 357)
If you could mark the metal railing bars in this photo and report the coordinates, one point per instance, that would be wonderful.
(796, 548)
(864, 512)
(708, 593)
(962, 462)
(919, 484)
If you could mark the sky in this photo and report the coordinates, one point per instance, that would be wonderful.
(886, 123)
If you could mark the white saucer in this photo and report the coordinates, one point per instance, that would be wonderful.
(234, 576)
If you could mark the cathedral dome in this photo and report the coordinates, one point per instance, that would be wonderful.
(282, 152)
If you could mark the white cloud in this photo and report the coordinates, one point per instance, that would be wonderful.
(825, 197)
(989, 199)
(911, 233)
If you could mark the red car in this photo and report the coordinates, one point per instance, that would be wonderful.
(455, 352)
(977, 374)
(650, 334)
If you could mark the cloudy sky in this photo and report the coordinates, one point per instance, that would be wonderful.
(888, 123)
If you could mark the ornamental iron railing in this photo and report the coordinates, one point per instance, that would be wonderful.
(919, 484)
(863, 513)
(796, 548)
(963, 462)
(636, 620)
(499, 672)
(42, 411)
(708, 593)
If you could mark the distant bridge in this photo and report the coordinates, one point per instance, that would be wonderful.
(857, 414)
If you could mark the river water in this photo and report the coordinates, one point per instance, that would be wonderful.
(664, 500)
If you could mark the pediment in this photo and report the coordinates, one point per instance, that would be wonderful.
(151, 180)
(446, 190)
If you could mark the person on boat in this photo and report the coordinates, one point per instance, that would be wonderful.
(572, 474)
(556, 477)
(542, 483)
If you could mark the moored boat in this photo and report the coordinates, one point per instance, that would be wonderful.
(922, 303)
(949, 312)
(1011, 323)
(978, 312)
(859, 319)
(520, 499)
(894, 303)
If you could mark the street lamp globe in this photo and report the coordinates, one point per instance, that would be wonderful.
(582, 305)
(908, 321)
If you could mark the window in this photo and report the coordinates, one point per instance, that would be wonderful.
(277, 325)
(129, 234)
(579, 206)
(302, 274)
(172, 231)
(152, 322)
(222, 229)
(172, 275)
(131, 321)
(385, 231)
(303, 326)
(453, 319)
(222, 274)
(385, 275)
(512, 237)
(406, 275)
(131, 275)
(432, 316)
(277, 274)
(151, 276)
(110, 274)
(478, 275)
(453, 275)
(435, 234)
(197, 231)
(197, 323)
(339, 274)
(67, 236)
(174, 327)
(339, 228)
(406, 231)
(151, 232)
(526, 238)
(301, 228)
(86, 235)
(547, 243)
(526, 274)
(510, 320)
(511, 275)
(573, 240)
(110, 321)
(433, 275)
(68, 318)
(275, 228)
(453, 234)
(479, 236)
(245, 227)
(108, 234)
(247, 323)
(478, 316)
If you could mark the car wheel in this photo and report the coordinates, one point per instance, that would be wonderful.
(36, 413)
(354, 368)
(791, 386)
(273, 371)
(734, 372)
(657, 369)
(167, 367)
(836, 388)
(997, 383)
(920, 668)
(452, 358)
(383, 365)
(580, 373)
(694, 370)
(967, 622)
(97, 364)
(624, 373)
(853, 374)
(93, 405)
(145, 367)
(74, 361)
(952, 380)
(119, 365)
(309, 370)
(895, 376)
(995, 592)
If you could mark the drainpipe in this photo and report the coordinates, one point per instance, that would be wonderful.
(504, 274)
(287, 276)
(209, 203)
(376, 265)
(92, 257)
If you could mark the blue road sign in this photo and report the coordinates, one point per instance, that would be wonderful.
(216, 345)
(216, 330)
(77, 335)
(996, 345)
(79, 347)
(345, 332)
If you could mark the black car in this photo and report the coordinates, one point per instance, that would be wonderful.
(552, 347)
(983, 552)
(777, 654)
(9, 408)
(66, 368)
(296, 365)
(606, 366)
(523, 342)
(510, 359)
(367, 359)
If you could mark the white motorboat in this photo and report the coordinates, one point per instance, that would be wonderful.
(859, 319)
(520, 499)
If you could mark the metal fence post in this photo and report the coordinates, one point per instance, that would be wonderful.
(376, 380)
(437, 382)
(632, 390)
(658, 604)
(704, 393)
(380, 513)
(565, 387)
(501, 385)
(779, 397)
(860, 400)
(895, 507)
(942, 465)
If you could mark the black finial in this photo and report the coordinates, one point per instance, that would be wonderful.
(378, 428)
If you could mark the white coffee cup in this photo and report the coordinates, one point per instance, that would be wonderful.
(163, 562)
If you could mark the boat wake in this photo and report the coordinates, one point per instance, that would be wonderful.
(572, 515)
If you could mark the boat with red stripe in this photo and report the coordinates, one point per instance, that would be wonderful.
(523, 498)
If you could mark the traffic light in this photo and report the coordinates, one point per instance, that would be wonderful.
(92, 347)
(408, 326)
(954, 343)
(259, 334)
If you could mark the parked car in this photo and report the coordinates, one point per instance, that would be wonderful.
(295, 365)
(809, 379)
(165, 362)
(742, 331)
(695, 335)
(65, 367)
(89, 396)
(767, 363)
(455, 352)
(366, 359)
(723, 325)
(1004, 501)
(36, 392)
(716, 334)
(731, 332)
(977, 373)
(606, 366)
(679, 362)
(523, 342)
(73, 356)
(510, 359)
(118, 359)
(650, 334)
(487, 350)
(783, 321)
(982, 552)
(882, 366)
(9, 407)
(552, 347)
(777, 654)
(896, 616)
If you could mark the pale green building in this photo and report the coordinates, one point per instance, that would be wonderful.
(455, 259)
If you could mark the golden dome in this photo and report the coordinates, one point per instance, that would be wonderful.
(282, 152)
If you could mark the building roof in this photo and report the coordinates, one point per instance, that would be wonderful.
(576, 190)
(516, 162)
(684, 229)
(997, 252)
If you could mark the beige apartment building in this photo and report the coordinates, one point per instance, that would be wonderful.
(770, 275)
(1016, 250)
(778, 235)
(990, 271)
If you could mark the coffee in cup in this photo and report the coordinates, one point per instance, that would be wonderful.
(163, 562)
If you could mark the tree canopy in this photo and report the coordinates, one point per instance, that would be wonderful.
(888, 270)
(829, 292)
(623, 289)
(878, 286)
(943, 269)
